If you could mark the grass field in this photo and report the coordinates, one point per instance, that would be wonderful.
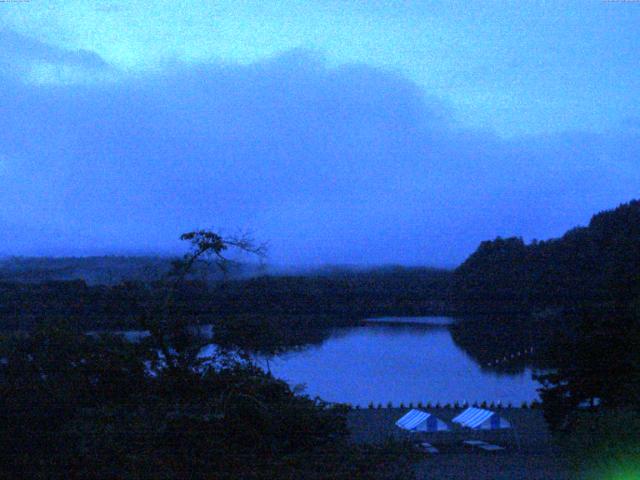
(529, 449)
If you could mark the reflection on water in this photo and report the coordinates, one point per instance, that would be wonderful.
(400, 360)
(399, 363)
(433, 321)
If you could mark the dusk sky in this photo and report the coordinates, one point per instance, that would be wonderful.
(360, 132)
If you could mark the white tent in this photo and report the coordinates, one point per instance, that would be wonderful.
(481, 419)
(419, 421)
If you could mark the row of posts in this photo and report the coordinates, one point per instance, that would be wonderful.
(456, 405)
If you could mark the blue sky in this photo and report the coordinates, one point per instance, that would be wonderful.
(343, 132)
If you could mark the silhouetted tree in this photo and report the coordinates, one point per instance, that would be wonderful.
(74, 405)
(598, 367)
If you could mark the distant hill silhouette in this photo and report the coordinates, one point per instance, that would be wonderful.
(102, 270)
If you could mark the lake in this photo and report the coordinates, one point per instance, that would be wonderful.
(399, 360)
(395, 359)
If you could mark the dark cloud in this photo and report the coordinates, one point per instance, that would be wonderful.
(347, 165)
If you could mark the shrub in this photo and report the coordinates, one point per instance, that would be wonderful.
(604, 443)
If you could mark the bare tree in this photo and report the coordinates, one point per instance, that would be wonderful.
(178, 337)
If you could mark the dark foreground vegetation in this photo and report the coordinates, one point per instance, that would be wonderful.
(74, 405)
(77, 406)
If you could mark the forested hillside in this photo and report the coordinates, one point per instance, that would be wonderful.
(594, 265)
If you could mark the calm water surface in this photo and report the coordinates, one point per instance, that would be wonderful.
(397, 359)
(383, 362)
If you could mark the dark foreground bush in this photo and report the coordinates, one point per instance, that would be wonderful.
(605, 444)
(76, 406)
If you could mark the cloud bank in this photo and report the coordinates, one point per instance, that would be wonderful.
(345, 164)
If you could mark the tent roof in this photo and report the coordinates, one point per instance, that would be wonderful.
(473, 417)
(412, 419)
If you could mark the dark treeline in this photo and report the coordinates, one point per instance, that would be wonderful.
(518, 296)
(336, 298)
(597, 265)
